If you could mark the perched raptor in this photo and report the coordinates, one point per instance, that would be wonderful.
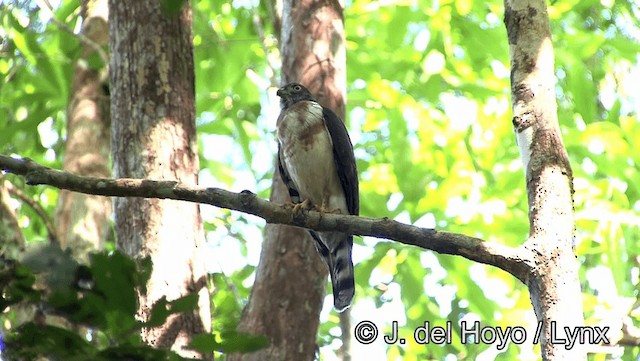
(316, 162)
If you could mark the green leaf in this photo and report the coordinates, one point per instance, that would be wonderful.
(16, 284)
(161, 309)
(115, 278)
(138, 353)
(172, 7)
(228, 342)
(31, 340)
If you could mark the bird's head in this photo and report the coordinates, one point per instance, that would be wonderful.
(293, 93)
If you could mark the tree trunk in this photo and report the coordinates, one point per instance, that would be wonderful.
(154, 136)
(290, 284)
(82, 221)
(554, 285)
(11, 238)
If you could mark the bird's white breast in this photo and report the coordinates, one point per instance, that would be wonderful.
(307, 154)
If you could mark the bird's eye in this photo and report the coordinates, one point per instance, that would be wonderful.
(297, 88)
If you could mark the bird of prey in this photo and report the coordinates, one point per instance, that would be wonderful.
(316, 163)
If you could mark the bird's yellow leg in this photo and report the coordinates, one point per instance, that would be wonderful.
(324, 207)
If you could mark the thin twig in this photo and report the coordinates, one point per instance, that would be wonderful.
(274, 15)
(257, 23)
(18, 193)
(47, 8)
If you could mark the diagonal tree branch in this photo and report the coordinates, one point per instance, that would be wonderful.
(516, 261)
(51, 230)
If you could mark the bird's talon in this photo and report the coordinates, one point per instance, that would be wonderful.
(324, 209)
(300, 207)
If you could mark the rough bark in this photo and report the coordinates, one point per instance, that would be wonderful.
(516, 261)
(82, 221)
(553, 283)
(290, 283)
(154, 136)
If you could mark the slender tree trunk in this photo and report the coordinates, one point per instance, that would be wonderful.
(82, 221)
(290, 284)
(154, 136)
(12, 241)
(554, 285)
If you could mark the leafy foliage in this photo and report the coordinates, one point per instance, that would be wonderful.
(429, 114)
(101, 302)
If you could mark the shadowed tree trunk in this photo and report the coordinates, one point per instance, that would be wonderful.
(290, 284)
(82, 221)
(553, 284)
(154, 136)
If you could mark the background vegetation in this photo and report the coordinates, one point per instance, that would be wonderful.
(429, 115)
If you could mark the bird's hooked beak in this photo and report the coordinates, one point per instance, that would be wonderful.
(281, 92)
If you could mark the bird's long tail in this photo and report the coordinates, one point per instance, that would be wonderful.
(335, 249)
